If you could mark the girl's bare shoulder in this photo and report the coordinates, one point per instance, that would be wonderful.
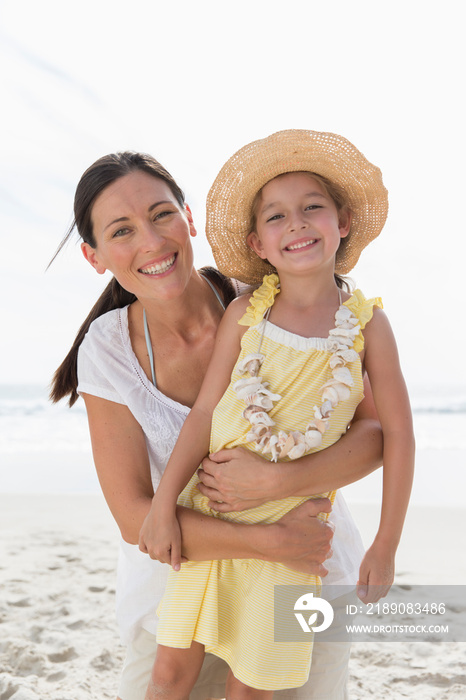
(237, 308)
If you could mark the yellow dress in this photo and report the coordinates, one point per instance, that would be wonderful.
(228, 605)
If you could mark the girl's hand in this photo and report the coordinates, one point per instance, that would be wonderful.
(237, 479)
(376, 574)
(160, 538)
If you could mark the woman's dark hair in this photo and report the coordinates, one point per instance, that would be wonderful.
(103, 173)
(65, 379)
(100, 175)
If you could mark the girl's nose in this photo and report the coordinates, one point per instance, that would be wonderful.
(297, 221)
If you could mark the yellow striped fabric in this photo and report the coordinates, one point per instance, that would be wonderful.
(228, 605)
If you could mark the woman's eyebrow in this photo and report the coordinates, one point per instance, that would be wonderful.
(156, 204)
(126, 218)
(116, 221)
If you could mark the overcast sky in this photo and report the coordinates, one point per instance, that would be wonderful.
(191, 82)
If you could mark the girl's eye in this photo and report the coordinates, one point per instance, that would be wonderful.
(275, 217)
(313, 206)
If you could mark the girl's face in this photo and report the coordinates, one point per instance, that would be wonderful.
(142, 236)
(298, 226)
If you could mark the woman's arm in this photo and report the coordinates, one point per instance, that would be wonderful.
(241, 479)
(122, 463)
(299, 539)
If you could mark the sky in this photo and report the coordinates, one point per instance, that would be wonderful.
(193, 81)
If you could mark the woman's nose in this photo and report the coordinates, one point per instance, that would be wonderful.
(151, 239)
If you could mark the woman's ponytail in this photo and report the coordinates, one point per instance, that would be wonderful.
(100, 175)
(65, 379)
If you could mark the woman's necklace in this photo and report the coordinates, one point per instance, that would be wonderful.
(150, 351)
(260, 400)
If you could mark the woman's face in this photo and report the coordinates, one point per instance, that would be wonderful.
(142, 236)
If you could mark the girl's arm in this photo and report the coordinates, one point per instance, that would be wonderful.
(160, 534)
(392, 401)
(243, 479)
(122, 464)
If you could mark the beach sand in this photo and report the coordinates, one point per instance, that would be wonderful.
(58, 636)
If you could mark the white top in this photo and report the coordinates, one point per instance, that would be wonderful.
(109, 369)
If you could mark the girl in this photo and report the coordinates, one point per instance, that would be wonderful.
(285, 378)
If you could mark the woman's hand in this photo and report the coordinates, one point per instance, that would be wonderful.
(302, 541)
(238, 479)
(160, 536)
(376, 573)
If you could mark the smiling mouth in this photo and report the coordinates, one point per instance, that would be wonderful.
(304, 244)
(159, 268)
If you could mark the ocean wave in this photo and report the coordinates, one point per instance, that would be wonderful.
(30, 423)
(30, 400)
(442, 406)
(17, 409)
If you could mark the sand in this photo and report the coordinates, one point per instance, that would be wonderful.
(58, 637)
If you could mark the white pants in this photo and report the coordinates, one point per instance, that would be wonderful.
(327, 680)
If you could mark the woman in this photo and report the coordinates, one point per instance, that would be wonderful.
(133, 221)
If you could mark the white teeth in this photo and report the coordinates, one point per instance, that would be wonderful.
(300, 245)
(158, 268)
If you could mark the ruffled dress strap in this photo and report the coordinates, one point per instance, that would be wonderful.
(261, 300)
(363, 309)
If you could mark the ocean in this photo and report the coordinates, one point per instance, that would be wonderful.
(45, 448)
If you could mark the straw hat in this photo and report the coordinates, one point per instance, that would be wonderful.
(230, 199)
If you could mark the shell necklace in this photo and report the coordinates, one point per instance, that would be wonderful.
(260, 400)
